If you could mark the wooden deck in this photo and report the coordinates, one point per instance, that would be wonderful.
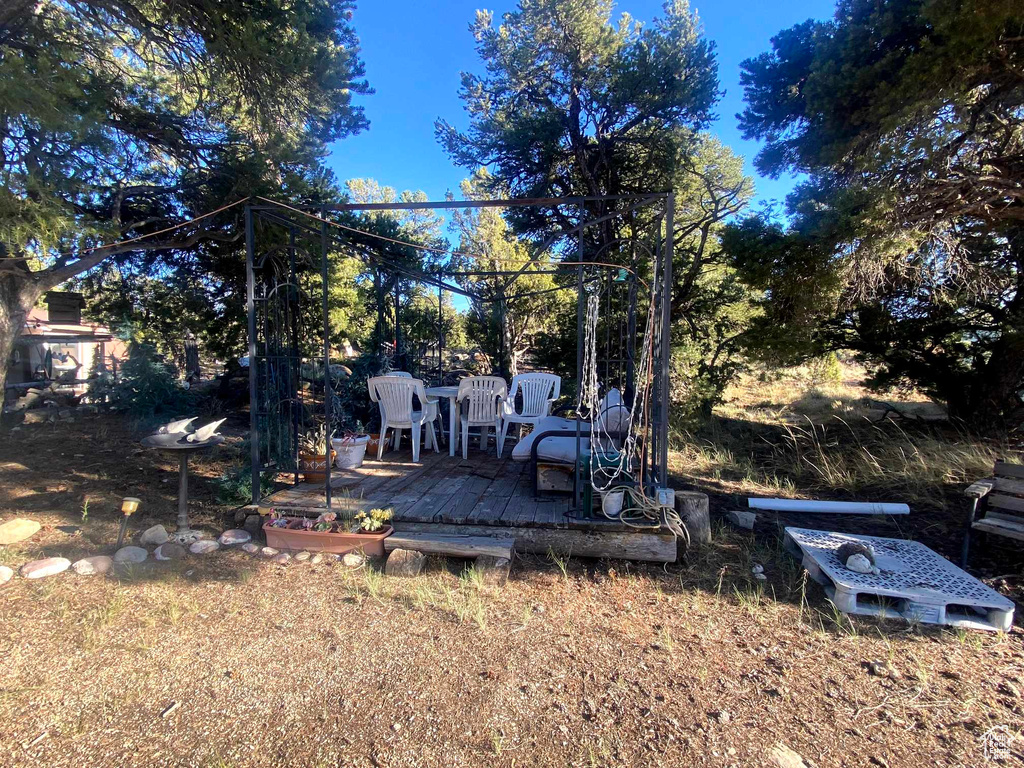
(479, 496)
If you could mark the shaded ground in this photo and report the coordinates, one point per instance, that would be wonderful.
(581, 663)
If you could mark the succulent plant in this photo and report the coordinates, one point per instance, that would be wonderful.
(373, 520)
(316, 441)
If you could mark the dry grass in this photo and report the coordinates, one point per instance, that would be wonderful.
(578, 664)
(572, 663)
(792, 435)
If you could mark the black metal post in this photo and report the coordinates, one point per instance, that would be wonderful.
(503, 352)
(666, 336)
(398, 331)
(577, 487)
(440, 336)
(631, 331)
(295, 364)
(328, 387)
(250, 304)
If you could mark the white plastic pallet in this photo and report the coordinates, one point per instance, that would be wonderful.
(915, 582)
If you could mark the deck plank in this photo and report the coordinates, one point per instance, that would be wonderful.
(522, 508)
(402, 496)
(481, 491)
(427, 507)
(479, 478)
(496, 497)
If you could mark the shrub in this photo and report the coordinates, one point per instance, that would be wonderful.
(145, 388)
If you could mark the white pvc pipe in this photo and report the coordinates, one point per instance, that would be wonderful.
(831, 507)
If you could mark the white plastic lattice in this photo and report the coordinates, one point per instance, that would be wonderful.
(920, 584)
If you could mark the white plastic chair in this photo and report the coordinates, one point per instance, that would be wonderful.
(539, 390)
(484, 398)
(394, 394)
(433, 414)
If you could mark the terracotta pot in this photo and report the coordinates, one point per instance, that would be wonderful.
(314, 468)
(371, 447)
(294, 536)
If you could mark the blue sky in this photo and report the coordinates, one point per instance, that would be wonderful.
(414, 51)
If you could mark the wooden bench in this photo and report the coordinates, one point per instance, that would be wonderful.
(997, 505)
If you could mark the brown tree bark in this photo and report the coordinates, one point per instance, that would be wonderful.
(18, 294)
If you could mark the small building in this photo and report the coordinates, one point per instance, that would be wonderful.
(57, 345)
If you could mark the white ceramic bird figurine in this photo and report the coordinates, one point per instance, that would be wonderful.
(205, 433)
(176, 427)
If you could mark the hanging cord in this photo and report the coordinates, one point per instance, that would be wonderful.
(135, 239)
(613, 463)
(448, 252)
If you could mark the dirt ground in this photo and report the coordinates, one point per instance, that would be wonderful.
(571, 663)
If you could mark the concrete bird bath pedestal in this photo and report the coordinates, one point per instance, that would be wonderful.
(179, 444)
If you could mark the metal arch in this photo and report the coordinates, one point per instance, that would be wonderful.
(660, 204)
(277, 287)
(262, 261)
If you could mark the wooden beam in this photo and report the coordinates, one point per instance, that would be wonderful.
(651, 547)
(454, 545)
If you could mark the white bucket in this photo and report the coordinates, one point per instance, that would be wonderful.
(611, 502)
(350, 452)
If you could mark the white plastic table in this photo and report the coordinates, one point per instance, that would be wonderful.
(451, 393)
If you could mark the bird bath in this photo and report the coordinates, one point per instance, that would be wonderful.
(179, 444)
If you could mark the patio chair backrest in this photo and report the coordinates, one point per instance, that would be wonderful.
(1006, 501)
(403, 374)
(537, 389)
(395, 393)
(482, 393)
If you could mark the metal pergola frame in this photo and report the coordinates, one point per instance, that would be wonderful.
(312, 223)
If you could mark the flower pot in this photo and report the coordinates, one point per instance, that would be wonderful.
(314, 468)
(294, 536)
(350, 451)
(371, 446)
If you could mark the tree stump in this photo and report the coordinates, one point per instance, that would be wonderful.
(693, 510)
(405, 562)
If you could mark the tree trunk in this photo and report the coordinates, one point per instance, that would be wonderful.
(17, 297)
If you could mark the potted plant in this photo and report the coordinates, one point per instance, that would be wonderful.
(364, 531)
(350, 448)
(315, 454)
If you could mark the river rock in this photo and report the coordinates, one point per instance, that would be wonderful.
(5, 574)
(251, 548)
(353, 560)
(234, 536)
(92, 566)
(782, 756)
(269, 552)
(204, 547)
(281, 558)
(169, 550)
(38, 569)
(253, 525)
(130, 555)
(316, 559)
(405, 562)
(301, 557)
(17, 530)
(153, 537)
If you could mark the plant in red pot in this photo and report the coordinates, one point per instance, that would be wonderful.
(315, 454)
(363, 532)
